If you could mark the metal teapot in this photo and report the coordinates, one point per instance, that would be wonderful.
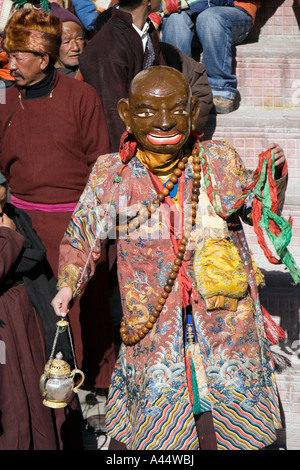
(57, 382)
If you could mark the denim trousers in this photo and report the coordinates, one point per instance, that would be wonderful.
(218, 29)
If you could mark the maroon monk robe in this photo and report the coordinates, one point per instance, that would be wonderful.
(25, 423)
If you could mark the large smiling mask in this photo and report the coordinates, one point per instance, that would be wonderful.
(160, 110)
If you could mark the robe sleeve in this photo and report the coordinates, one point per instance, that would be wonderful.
(227, 179)
(81, 245)
(94, 129)
(114, 72)
(11, 244)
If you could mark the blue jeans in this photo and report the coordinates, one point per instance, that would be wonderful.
(218, 30)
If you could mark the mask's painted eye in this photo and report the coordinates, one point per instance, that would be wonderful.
(145, 114)
(182, 112)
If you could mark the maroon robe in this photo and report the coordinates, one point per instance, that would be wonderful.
(25, 423)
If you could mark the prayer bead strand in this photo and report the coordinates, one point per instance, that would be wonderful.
(130, 336)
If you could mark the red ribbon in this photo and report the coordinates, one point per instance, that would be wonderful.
(128, 146)
(186, 288)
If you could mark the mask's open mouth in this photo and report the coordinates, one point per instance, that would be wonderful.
(164, 138)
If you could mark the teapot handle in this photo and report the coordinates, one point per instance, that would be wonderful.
(42, 384)
(74, 372)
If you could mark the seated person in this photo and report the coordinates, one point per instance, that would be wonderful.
(218, 29)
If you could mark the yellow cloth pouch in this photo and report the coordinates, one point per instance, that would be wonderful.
(220, 274)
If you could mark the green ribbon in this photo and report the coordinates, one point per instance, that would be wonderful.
(196, 404)
(261, 191)
(44, 4)
(282, 240)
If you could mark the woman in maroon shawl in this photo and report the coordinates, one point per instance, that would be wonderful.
(24, 422)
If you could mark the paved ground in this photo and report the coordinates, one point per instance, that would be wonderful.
(92, 404)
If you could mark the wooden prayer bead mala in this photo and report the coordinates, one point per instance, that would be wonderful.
(130, 336)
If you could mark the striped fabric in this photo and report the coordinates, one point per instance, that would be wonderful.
(240, 429)
(172, 425)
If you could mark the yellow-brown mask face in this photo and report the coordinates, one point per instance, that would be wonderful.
(160, 111)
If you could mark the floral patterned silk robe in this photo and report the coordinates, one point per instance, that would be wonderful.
(149, 404)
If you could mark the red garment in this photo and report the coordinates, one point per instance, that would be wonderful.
(48, 145)
(47, 148)
(250, 7)
(4, 70)
(25, 423)
(149, 405)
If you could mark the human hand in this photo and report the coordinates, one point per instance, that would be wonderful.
(61, 301)
(3, 196)
(5, 221)
(279, 158)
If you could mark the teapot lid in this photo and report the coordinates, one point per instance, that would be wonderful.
(57, 366)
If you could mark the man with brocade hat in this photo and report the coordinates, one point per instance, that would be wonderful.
(52, 130)
(195, 369)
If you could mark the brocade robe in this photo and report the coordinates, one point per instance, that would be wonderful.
(149, 405)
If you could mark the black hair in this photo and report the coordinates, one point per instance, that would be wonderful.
(130, 4)
(105, 15)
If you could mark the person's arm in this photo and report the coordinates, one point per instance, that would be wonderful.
(93, 127)
(280, 177)
(234, 188)
(114, 76)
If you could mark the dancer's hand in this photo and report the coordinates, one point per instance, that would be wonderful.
(279, 158)
(61, 301)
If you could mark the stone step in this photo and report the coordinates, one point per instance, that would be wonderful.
(250, 130)
(277, 18)
(267, 64)
(268, 74)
